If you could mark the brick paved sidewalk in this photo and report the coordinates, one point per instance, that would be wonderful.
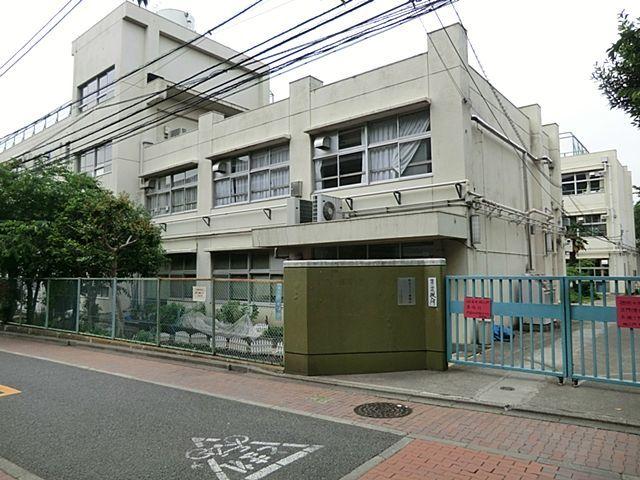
(463, 443)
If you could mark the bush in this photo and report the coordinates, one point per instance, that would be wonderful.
(144, 336)
(233, 310)
(274, 332)
(171, 313)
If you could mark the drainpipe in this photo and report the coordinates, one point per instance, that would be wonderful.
(527, 225)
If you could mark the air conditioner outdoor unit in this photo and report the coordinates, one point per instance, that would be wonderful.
(298, 211)
(322, 142)
(176, 132)
(219, 167)
(326, 208)
(147, 183)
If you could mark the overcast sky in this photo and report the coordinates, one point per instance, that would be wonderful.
(539, 51)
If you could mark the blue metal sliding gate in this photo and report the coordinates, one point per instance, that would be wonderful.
(564, 327)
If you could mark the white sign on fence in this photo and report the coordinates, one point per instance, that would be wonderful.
(432, 292)
(199, 294)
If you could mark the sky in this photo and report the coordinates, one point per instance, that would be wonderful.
(539, 51)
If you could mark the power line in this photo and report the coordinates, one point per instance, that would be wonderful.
(3, 73)
(145, 97)
(199, 37)
(430, 7)
(279, 72)
(191, 105)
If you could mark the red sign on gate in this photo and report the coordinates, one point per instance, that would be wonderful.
(628, 310)
(477, 307)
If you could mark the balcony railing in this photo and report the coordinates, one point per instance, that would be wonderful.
(36, 127)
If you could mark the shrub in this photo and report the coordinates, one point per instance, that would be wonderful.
(144, 336)
(233, 310)
(171, 313)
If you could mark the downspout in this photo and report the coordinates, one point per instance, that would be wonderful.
(527, 225)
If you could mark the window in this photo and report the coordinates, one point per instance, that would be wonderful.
(239, 266)
(590, 225)
(394, 147)
(173, 193)
(179, 266)
(97, 90)
(259, 175)
(598, 267)
(583, 182)
(96, 161)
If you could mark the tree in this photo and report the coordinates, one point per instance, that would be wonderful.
(57, 223)
(578, 243)
(618, 77)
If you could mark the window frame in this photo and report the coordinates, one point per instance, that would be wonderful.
(248, 272)
(587, 227)
(97, 169)
(251, 172)
(185, 185)
(102, 93)
(591, 177)
(366, 146)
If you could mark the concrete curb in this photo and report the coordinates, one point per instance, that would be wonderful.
(455, 401)
(15, 471)
(381, 457)
(122, 346)
(451, 401)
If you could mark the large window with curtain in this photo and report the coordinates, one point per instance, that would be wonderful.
(393, 147)
(174, 193)
(256, 176)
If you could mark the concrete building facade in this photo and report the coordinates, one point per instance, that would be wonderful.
(421, 158)
(598, 200)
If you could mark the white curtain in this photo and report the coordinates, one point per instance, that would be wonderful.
(414, 123)
(280, 155)
(260, 159)
(239, 189)
(260, 185)
(412, 153)
(190, 198)
(222, 191)
(383, 163)
(383, 130)
(280, 182)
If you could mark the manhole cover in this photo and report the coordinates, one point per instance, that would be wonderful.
(382, 410)
(508, 389)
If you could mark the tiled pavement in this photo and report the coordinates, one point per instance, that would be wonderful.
(449, 442)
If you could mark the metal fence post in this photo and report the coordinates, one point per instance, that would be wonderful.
(46, 313)
(213, 316)
(567, 343)
(158, 312)
(114, 285)
(78, 306)
(448, 323)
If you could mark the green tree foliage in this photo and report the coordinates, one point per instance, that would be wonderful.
(618, 76)
(57, 223)
(578, 243)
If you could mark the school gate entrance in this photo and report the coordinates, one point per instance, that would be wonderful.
(578, 328)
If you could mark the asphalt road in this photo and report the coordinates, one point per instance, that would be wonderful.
(69, 423)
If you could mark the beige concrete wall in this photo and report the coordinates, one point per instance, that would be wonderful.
(616, 202)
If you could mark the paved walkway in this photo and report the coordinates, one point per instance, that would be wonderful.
(447, 443)
(513, 390)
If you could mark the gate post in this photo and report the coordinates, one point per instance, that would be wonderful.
(567, 342)
(447, 316)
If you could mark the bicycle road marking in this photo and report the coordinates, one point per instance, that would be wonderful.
(243, 459)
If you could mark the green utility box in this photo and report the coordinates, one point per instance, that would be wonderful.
(364, 316)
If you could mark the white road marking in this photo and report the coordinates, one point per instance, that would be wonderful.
(235, 454)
